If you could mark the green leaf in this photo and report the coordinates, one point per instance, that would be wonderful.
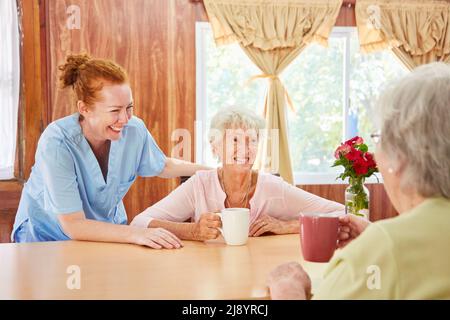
(363, 147)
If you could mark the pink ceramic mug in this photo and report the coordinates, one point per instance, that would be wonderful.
(319, 235)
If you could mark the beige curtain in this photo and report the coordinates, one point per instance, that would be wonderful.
(417, 31)
(273, 33)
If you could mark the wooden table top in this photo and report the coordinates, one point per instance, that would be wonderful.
(200, 270)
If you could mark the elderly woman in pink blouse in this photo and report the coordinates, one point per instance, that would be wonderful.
(189, 211)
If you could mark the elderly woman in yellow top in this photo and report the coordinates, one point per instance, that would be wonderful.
(406, 257)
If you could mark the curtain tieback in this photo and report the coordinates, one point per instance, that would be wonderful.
(273, 77)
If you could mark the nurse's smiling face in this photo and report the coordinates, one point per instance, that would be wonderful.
(107, 117)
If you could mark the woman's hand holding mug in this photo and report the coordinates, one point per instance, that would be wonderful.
(207, 227)
(350, 227)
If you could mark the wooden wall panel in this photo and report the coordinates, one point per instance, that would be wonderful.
(380, 205)
(10, 192)
(31, 95)
(6, 224)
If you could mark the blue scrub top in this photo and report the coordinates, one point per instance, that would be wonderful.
(67, 178)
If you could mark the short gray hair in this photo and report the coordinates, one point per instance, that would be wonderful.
(234, 117)
(415, 128)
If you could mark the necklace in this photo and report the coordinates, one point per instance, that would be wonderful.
(244, 199)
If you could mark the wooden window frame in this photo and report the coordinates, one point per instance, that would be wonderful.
(33, 113)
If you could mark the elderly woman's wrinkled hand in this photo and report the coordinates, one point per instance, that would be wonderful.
(350, 227)
(207, 227)
(264, 224)
(289, 282)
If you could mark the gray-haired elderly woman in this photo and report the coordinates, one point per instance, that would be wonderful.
(274, 204)
(406, 257)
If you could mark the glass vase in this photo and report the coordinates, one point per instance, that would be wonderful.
(357, 198)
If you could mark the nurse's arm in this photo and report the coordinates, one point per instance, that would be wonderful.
(180, 168)
(77, 227)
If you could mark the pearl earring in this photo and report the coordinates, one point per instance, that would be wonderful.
(390, 170)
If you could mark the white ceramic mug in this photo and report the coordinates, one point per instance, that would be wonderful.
(235, 225)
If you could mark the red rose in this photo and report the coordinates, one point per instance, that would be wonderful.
(343, 149)
(360, 169)
(354, 155)
(370, 162)
(354, 141)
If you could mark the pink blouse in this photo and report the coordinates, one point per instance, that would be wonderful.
(202, 193)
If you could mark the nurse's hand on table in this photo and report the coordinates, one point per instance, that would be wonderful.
(350, 227)
(156, 238)
(206, 227)
(289, 282)
(266, 223)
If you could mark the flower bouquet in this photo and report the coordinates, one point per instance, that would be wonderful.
(358, 164)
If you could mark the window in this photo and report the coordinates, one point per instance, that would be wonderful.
(333, 90)
(9, 86)
(222, 74)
